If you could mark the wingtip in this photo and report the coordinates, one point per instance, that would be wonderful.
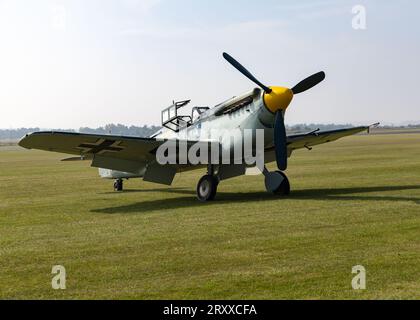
(23, 140)
(375, 125)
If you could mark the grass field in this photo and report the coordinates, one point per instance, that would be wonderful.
(355, 201)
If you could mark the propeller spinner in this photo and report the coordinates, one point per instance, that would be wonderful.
(277, 99)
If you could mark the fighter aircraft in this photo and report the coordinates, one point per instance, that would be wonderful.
(263, 108)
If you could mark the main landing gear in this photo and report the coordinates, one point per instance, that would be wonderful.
(118, 185)
(276, 182)
(207, 185)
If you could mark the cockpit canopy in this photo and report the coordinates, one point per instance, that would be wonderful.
(175, 122)
(172, 120)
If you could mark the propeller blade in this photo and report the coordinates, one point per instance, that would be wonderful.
(309, 82)
(280, 141)
(245, 72)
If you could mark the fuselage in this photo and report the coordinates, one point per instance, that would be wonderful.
(226, 128)
(209, 125)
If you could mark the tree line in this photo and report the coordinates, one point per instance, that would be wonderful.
(115, 129)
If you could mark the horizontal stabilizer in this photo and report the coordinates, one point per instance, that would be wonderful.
(81, 158)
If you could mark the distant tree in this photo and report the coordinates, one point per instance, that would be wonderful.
(122, 130)
(146, 131)
(15, 134)
(298, 128)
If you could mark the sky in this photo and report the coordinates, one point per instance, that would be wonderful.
(68, 64)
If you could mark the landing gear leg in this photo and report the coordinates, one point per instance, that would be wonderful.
(207, 185)
(118, 185)
(276, 182)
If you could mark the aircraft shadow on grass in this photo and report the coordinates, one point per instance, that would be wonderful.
(189, 200)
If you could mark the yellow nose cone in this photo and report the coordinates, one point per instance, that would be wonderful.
(278, 99)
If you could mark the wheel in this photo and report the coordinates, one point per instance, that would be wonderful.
(207, 188)
(284, 188)
(277, 183)
(118, 185)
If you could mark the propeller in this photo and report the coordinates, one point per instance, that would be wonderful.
(280, 141)
(245, 72)
(276, 100)
(309, 82)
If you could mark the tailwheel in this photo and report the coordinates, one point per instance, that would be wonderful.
(277, 182)
(207, 188)
(118, 185)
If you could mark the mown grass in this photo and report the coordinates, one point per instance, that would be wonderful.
(355, 201)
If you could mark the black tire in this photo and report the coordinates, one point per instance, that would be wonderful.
(207, 188)
(284, 188)
(118, 185)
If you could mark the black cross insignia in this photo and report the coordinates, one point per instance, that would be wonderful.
(101, 145)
